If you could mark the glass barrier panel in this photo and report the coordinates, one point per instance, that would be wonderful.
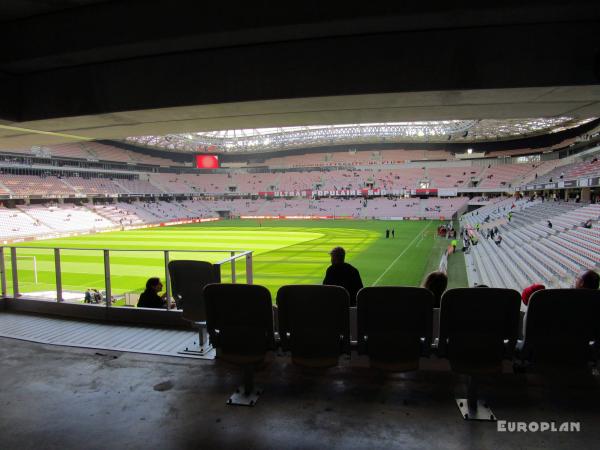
(82, 276)
(35, 270)
(129, 272)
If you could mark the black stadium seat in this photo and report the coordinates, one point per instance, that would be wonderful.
(240, 325)
(559, 326)
(314, 323)
(478, 329)
(394, 326)
(188, 279)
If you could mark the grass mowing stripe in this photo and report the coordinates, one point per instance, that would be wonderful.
(286, 252)
(400, 255)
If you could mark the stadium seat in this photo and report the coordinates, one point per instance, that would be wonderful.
(478, 329)
(314, 323)
(394, 326)
(559, 326)
(240, 324)
(188, 279)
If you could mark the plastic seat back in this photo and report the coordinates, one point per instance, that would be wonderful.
(559, 326)
(239, 321)
(314, 323)
(477, 326)
(394, 325)
(188, 279)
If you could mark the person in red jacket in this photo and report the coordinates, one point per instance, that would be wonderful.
(528, 292)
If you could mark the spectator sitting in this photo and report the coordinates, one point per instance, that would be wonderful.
(96, 296)
(436, 282)
(549, 224)
(587, 280)
(588, 224)
(150, 297)
(528, 292)
(340, 273)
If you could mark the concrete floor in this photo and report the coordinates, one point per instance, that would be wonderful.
(69, 398)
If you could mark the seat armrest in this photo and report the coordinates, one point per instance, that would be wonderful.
(518, 353)
(442, 348)
(425, 347)
(509, 349)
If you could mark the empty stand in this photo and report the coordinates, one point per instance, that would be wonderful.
(66, 217)
(93, 185)
(14, 223)
(138, 187)
(531, 251)
(504, 175)
(31, 185)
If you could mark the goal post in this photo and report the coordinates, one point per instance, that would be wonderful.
(31, 258)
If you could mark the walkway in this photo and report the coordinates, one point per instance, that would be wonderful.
(79, 333)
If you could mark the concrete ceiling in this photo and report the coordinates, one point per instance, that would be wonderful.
(23, 9)
(576, 101)
(106, 70)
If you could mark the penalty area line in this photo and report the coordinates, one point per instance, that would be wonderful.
(400, 255)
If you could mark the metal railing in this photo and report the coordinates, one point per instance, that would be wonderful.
(234, 255)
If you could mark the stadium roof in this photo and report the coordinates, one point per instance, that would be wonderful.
(254, 140)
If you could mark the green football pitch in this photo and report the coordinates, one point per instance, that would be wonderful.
(285, 252)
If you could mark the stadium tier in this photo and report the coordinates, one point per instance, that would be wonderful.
(91, 151)
(543, 242)
(572, 171)
(253, 183)
(93, 185)
(14, 223)
(45, 219)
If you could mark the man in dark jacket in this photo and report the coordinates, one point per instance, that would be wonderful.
(340, 273)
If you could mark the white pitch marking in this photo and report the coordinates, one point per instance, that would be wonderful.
(400, 255)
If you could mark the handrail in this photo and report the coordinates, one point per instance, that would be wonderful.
(234, 255)
(122, 249)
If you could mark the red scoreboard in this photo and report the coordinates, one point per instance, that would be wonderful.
(207, 161)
